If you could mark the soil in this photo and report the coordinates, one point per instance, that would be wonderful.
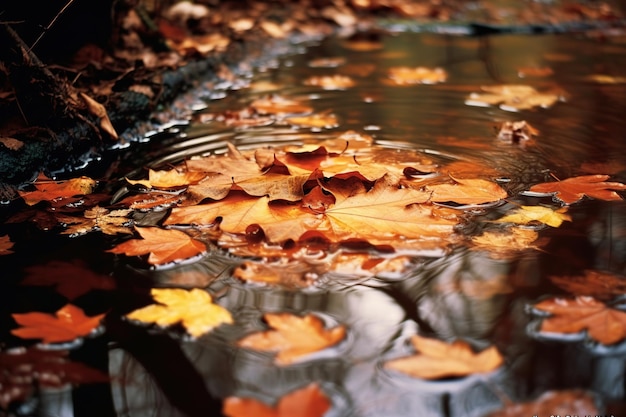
(77, 78)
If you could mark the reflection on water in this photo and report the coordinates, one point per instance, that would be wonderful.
(468, 294)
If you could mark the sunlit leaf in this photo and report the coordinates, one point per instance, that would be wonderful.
(309, 401)
(436, 359)
(67, 324)
(279, 105)
(49, 190)
(512, 97)
(574, 189)
(163, 245)
(417, 75)
(552, 403)
(529, 214)
(293, 337)
(320, 121)
(5, 245)
(194, 309)
(331, 82)
(598, 284)
(602, 323)
(466, 191)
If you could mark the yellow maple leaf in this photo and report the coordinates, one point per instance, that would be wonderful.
(194, 309)
(545, 215)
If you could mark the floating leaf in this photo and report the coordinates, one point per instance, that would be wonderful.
(598, 284)
(98, 218)
(293, 337)
(309, 401)
(169, 179)
(331, 82)
(279, 105)
(601, 322)
(512, 97)
(515, 132)
(49, 190)
(67, 324)
(467, 191)
(163, 245)
(545, 215)
(418, 75)
(574, 189)
(552, 403)
(321, 121)
(436, 359)
(194, 309)
(5, 245)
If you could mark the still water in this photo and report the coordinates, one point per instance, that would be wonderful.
(456, 294)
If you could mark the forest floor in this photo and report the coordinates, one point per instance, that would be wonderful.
(75, 78)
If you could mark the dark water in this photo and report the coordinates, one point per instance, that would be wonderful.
(463, 294)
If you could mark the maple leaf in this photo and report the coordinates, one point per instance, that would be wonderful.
(436, 359)
(573, 189)
(67, 324)
(98, 218)
(512, 97)
(309, 401)
(71, 279)
(164, 245)
(169, 179)
(601, 322)
(320, 121)
(293, 337)
(5, 245)
(598, 284)
(331, 82)
(552, 403)
(194, 309)
(417, 75)
(49, 190)
(466, 191)
(528, 214)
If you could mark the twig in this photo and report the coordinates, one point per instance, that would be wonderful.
(52, 22)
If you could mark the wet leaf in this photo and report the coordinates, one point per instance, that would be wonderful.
(529, 214)
(574, 189)
(50, 190)
(606, 79)
(11, 143)
(552, 403)
(194, 309)
(467, 191)
(309, 401)
(293, 337)
(27, 370)
(515, 132)
(169, 179)
(597, 284)
(163, 245)
(100, 112)
(5, 245)
(506, 241)
(436, 359)
(279, 105)
(512, 97)
(331, 82)
(602, 323)
(534, 72)
(67, 324)
(98, 218)
(320, 121)
(70, 279)
(417, 75)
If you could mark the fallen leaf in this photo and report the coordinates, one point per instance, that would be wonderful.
(293, 337)
(194, 309)
(552, 403)
(507, 241)
(602, 323)
(5, 245)
(320, 121)
(330, 82)
(67, 324)
(279, 105)
(574, 189)
(309, 401)
(534, 72)
(163, 245)
(466, 191)
(50, 190)
(70, 279)
(100, 219)
(169, 179)
(512, 97)
(515, 132)
(332, 62)
(417, 75)
(11, 143)
(529, 214)
(597, 284)
(436, 359)
(100, 112)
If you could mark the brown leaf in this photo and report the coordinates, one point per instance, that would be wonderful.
(11, 143)
(98, 218)
(51, 190)
(164, 245)
(100, 112)
(601, 322)
(597, 284)
(5, 245)
(309, 401)
(574, 189)
(293, 337)
(67, 324)
(436, 359)
(552, 403)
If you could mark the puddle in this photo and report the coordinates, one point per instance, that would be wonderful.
(456, 293)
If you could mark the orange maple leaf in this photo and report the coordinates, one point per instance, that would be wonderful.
(467, 191)
(163, 245)
(574, 189)
(437, 359)
(50, 190)
(417, 75)
(604, 324)
(293, 337)
(67, 324)
(309, 401)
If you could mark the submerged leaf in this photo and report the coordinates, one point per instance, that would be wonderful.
(545, 215)
(552, 403)
(293, 337)
(436, 359)
(194, 309)
(67, 324)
